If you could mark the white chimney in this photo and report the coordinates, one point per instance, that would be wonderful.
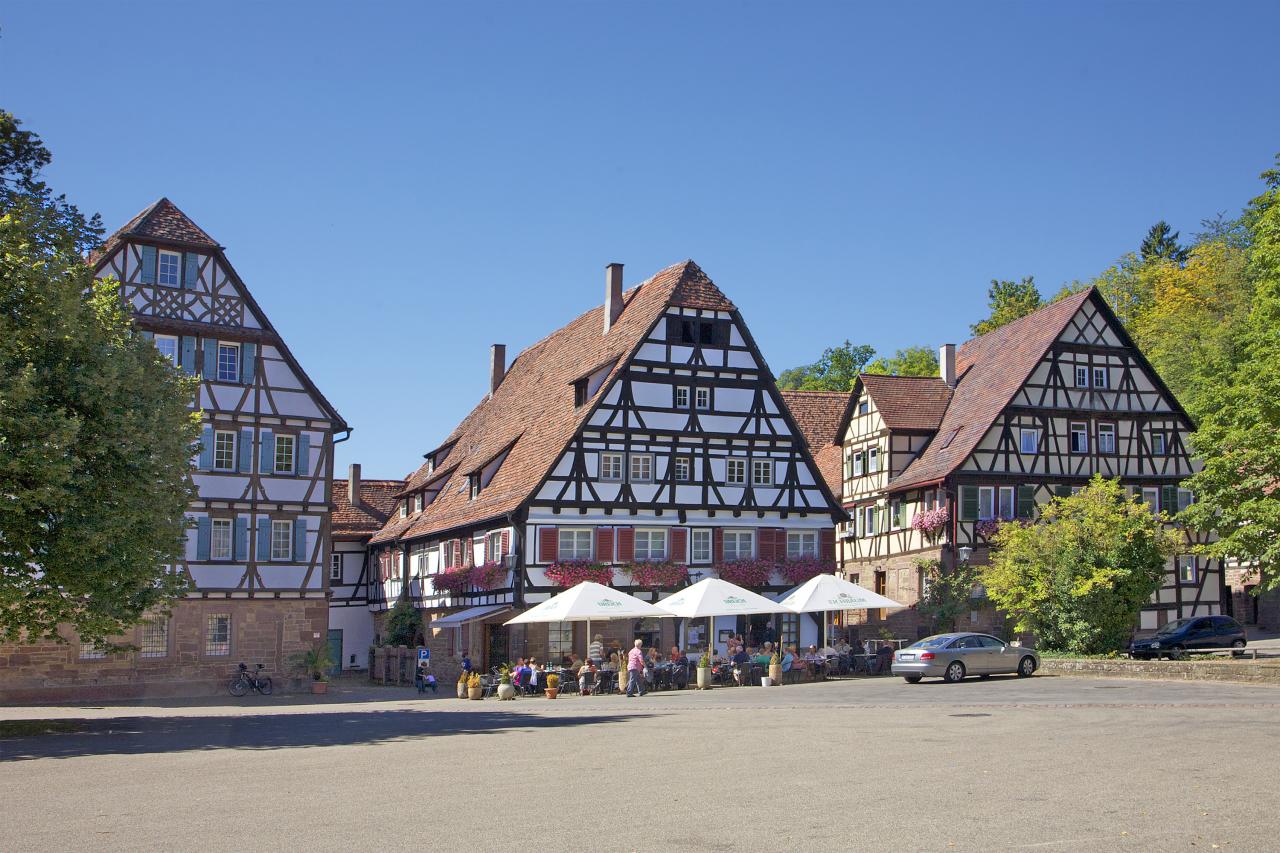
(612, 295)
(497, 366)
(353, 484)
(947, 363)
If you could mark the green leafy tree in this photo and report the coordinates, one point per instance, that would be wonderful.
(1162, 242)
(404, 625)
(1008, 301)
(912, 361)
(1238, 489)
(836, 370)
(1079, 577)
(96, 431)
(947, 594)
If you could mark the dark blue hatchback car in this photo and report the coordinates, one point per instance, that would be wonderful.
(1188, 636)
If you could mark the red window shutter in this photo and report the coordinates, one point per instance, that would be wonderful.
(626, 544)
(457, 552)
(780, 544)
(679, 544)
(717, 545)
(827, 544)
(604, 544)
(764, 536)
(506, 543)
(548, 545)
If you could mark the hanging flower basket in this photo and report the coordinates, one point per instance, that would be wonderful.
(746, 572)
(988, 528)
(489, 575)
(453, 580)
(931, 522)
(570, 573)
(799, 571)
(663, 574)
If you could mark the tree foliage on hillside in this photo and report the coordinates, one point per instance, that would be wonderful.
(1009, 301)
(1161, 243)
(96, 432)
(912, 361)
(835, 370)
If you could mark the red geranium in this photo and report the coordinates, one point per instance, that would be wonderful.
(452, 580)
(746, 572)
(659, 574)
(570, 573)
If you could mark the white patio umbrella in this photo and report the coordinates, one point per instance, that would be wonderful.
(586, 602)
(711, 597)
(824, 593)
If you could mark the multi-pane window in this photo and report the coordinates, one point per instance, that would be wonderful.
(90, 651)
(220, 539)
(1079, 438)
(1106, 438)
(228, 362)
(790, 625)
(1029, 440)
(493, 547)
(1101, 379)
(284, 454)
(217, 634)
(895, 514)
(801, 544)
(870, 513)
(559, 641)
(641, 467)
(739, 544)
(1082, 377)
(611, 467)
(1185, 499)
(873, 460)
(447, 560)
(1187, 568)
(224, 450)
(169, 269)
(682, 397)
(1151, 497)
(857, 463)
(335, 567)
(651, 545)
(762, 472)
(703, 398)
(986, 503)
(281, 540)
(682, 469)
(575, 543)
(168, 347)
(735, 473)
(155, 637)
(1006, 502)
(1158, 447)
(700, 546)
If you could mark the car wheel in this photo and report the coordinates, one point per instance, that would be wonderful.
(954, 673)
(1177, 653)
(911, 679)
(1237, 648)
(1027, 667)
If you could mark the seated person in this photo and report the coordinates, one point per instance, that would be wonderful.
(884, 659)
(788, 661)
(741, 666)
(815, 661)
(764, 656)
(677, 656)
(586, 675)
(843, 647)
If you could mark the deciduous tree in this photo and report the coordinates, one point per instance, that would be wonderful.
(1008, 301)
(836, 370)
(912, 361)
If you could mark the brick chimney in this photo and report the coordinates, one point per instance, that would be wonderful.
(947, 363)
(353, 484)
(612, 295)
(497, 366)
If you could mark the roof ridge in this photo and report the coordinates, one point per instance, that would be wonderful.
(1023, 320)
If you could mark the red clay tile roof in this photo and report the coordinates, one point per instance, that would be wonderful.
(818, 415)
(908, 402)
(377, 502)
(991, 369)
(533, 407)
(161, 221)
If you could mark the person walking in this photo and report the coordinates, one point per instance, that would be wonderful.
(635, 670)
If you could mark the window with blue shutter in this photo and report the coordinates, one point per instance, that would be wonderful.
(148, 265)
(210, 359)
(302, 464)
(248, 362)
(189, 354)
(264, 539)
(190, 271)
(244, 461)
(242, 538)
(206, 449)
(299, 539)
(267, 453)
(203, 529)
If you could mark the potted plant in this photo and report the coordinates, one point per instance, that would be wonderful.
(316, 662)
(775, 671)
(553, 686)
(506, 690)
(704, 670)
(474, 690)
(462, 684)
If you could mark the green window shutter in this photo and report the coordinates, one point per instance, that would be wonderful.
(188, 356)
(1026, 501)
(1062, 491)
(1169, 499)
(242, 538)
(148, 265)
(248, 359)
(206, 449)
(968, 503)
(302, 455)
(244, 453)
(210, 359)
(267, 453)
(204, 530)
(190, 271)
(300, 539)
(264, 539)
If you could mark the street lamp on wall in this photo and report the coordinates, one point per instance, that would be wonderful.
(965, 553)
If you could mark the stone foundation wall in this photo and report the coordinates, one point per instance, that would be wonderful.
(266, 631)
(1218, 669)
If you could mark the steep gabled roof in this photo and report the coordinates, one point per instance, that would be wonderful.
(908, 402)
(991, 368)
(162, 222)
(818, 414)
(533, 410)
(377, 502)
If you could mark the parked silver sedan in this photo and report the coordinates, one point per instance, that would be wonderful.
(951, 657)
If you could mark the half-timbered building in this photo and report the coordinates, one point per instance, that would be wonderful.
(360, 509)
(644, 444)
(257, 552)
(1032, 410)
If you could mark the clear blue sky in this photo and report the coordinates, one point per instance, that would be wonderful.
(402, 185)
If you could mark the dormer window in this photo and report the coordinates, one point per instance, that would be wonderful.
(169, 269)
(580, 392)
(473, 483)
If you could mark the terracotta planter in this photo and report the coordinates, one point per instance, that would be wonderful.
(775, 673)
(319, 687)
(704, 678)
(506, 690)
(475, 692)
(552, 692)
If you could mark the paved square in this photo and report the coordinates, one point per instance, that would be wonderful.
(1046, 763)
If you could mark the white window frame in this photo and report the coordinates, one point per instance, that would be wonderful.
(702, 399)
(446, 555)
(762, 472)
(869, 526)
(735, 472)
(1164, 443)
(221, 437)
(161, 273)
(335, 566)
(233, 349)
(283, 440)
(987, 497)
(895, 511)
(89, 651)
(577, 538)
(611, 467)
(857, 463)
(1034, 444)
(802, 544)
(743, 547)
(1188, 562)
(1151, 497)
(864, 407)
(1082, 376)
(1185, 499)
(873, 460)
(213, 647)
(493, 546)
(640, 467)
(167, 340)
(700, 548)
(1007, 495)
(1083, 432)
(655, 541)
(221, 536)
(1108, 430)
(1105, 375)
(682, 397)
(683, 468)
(281, 540)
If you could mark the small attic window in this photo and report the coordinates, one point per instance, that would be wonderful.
(946, 442)
(691, 330)
(580, 392)
(473, 483)
(863, 406)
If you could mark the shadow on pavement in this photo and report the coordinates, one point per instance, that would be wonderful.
(142, 735)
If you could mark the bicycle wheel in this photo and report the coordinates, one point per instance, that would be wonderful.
(264, 686)
(237, 687)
